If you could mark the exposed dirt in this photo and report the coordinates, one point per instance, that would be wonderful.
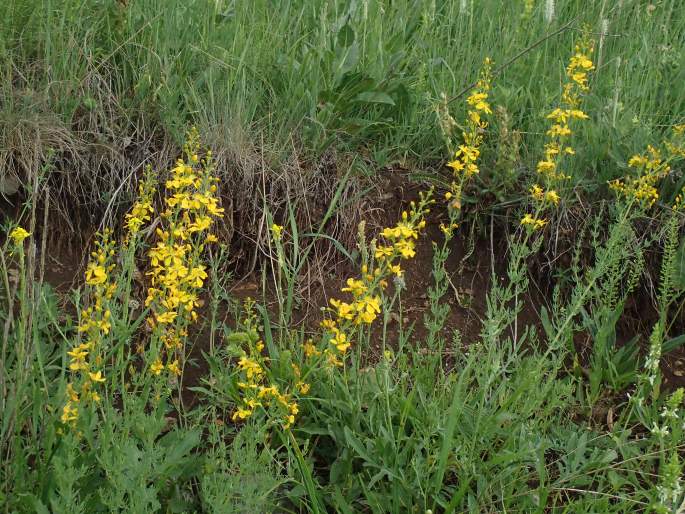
(474, 257)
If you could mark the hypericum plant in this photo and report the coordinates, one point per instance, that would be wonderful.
(257, 384)
(649, 168)
(177, 270)
(379, 263)
(464, 164)
(273, 385)
(177, 274)
(95, 339)
(557, 146)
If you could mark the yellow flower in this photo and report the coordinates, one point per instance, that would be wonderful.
(268, 391)
(552, 197)
(241, 414)
(406, 249)
(537, 193)
(340, 341)
(96, 377)
(95, 274)
(638, 161)
(328, 324)
(534, 223)
(251, 368)
(344, 310)
(69, 413)
(71, 393)
(367, 309)
(456, 165)
(197, 276)
(382, 252)
(174, 368)
(277, 231)
(166, 317)
(157, 367)
(78, 354)
(559, 130)
(18, 235)
(310, 350)
(356, 287)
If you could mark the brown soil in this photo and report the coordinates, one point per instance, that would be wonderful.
(470, 266)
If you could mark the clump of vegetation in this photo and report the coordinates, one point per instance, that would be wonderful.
(135, 393)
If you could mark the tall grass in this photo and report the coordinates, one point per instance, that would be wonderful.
(337, 75)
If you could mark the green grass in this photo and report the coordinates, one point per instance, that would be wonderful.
(339, 76)
(559, 407)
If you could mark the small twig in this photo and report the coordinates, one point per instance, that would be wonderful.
(523, 52)
(492, 243)
(43, 243)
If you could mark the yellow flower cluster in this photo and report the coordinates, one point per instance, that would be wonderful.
(464, 164)
(542, 196)
(256, 391)
(650, 169)
(18, 235)
(365, 304)
(142, 209)
(676, 146)
(556, 146)
(85, 358)
(560, 130)
(177, 273)
(532, 222)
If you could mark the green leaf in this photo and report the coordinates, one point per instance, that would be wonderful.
(673, 343)
(346, 35)
(357, 446)
(374, 97)
(679, 272)
(341, 468)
